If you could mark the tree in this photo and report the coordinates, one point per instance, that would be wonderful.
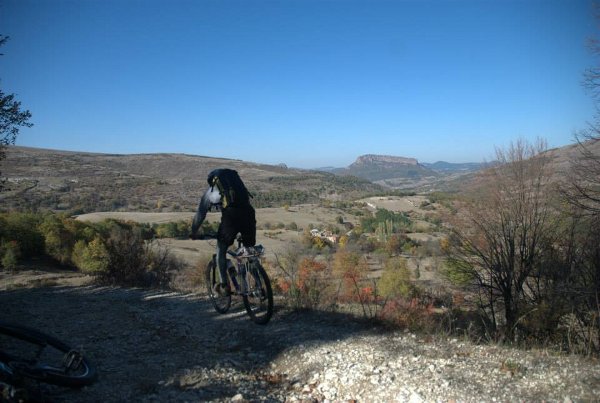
(581, 242)
(11, 117)
(583, 189)
(503, 240)
(395, 280)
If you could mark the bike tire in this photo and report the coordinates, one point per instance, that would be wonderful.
(50, 348)
(259, 298)
(221, 303)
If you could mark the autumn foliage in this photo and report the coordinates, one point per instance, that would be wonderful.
(305, 285)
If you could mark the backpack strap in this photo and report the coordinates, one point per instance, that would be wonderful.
(230, 185)
(224, 193)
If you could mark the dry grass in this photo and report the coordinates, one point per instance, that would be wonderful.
(191, 277)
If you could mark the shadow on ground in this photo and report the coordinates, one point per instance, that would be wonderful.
(163, 346)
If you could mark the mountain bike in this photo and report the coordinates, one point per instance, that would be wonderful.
(248, 280)
(27, 354)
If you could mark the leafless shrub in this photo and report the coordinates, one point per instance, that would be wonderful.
(502, 241)
(133, 262)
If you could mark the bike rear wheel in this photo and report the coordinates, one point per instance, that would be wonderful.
(26, 352)
(220, 302)
(259, 298)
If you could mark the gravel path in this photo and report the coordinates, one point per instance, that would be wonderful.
(162, 346)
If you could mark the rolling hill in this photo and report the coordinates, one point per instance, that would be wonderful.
(87, 182)
(80, 182)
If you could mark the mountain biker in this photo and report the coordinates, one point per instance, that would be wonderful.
(227, 192)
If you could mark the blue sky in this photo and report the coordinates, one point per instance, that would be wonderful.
(303, 82)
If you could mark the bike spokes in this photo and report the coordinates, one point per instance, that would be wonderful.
(220, 301)
(259, 298)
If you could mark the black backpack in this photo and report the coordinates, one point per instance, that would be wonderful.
(230, 185)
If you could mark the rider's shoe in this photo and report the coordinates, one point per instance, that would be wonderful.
(223, 290)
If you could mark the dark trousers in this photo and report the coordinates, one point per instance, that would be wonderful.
(234, 220)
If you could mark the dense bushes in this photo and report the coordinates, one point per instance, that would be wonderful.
(10, 255)
(60, 235)
(179, 229)
(19, 233)
(343, 281)
(130, 261)
(90, 257)
(387, 222)
(114, 252)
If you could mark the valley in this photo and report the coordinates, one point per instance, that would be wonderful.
(273, 231)
(365, 309)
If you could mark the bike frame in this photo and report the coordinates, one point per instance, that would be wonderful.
(248, 280)
(244, 267)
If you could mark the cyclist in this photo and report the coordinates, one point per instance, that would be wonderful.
(226, 192)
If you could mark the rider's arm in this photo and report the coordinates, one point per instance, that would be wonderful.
(210, 197)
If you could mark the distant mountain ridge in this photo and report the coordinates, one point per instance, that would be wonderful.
(400, 172)
(376, 168)
(383, 160)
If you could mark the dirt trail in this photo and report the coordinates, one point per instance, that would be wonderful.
(157, 345)
(168, 346)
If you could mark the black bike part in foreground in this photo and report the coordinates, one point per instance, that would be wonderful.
(259, 298)
(41, 357)
(220, 302)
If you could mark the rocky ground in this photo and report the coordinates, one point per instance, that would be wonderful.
(167, 346)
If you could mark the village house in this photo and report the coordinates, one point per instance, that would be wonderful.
(327, 235)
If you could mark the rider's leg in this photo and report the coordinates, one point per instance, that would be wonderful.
(225, 236)
(222, 260)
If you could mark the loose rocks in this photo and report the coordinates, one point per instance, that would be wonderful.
(158, 346)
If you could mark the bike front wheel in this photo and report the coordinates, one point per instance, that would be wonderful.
(29, 353)
(259, 298)
(220, 302)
